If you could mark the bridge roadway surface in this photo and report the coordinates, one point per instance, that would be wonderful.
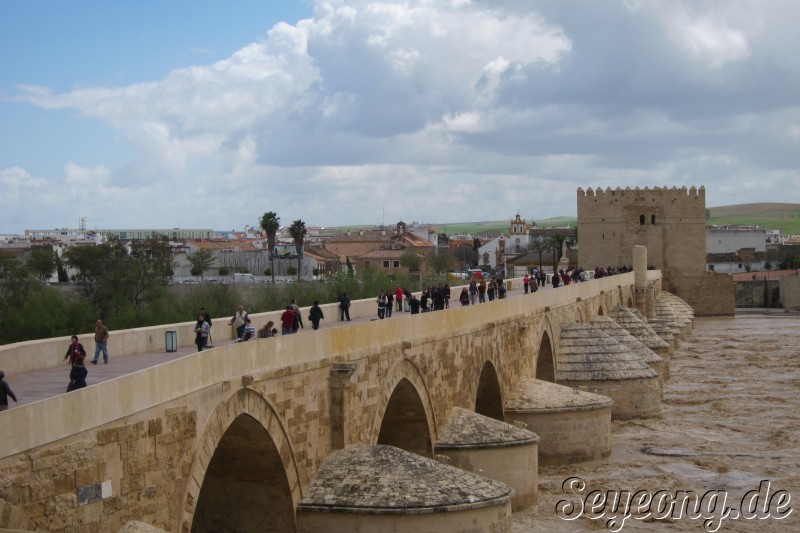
(46, 383)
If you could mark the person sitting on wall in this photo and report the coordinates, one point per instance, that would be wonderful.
(249, 331)
(266, 331)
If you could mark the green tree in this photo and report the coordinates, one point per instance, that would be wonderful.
(540, 246)
(467, 255)
(41, 262)
(555, 243)
(410, 260)
(441, 262)
(10, 266)
(117, 277)
(202, 260)
(63, 277)
(271, 223)
(298, 232)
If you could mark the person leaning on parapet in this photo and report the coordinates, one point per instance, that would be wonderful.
(75, 349)
(398, 297)
(210, 343)
(100, 342)
(201, 332)
(77, 375)
(238, 321)
(315, 315)
(5, 392)
(344, 306)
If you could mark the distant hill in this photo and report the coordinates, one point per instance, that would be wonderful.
(783, 217)
(495, 227)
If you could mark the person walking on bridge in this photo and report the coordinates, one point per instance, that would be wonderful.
(5, 392)
(75, 349)
(315, 314)
(100, 342)
(77, 375)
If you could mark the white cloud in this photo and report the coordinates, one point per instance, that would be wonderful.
(426, 107)
(77, 175)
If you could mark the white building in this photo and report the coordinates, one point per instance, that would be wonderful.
(494, 252)
(731, 239)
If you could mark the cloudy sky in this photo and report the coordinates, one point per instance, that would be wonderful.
(204, 114)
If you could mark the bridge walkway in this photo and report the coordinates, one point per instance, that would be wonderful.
(46, 383)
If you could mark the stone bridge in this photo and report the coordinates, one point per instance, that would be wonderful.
(260, 436)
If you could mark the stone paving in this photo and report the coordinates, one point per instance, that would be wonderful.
(46, 383)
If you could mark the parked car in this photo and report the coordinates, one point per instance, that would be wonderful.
(477, 274)
(241, 277)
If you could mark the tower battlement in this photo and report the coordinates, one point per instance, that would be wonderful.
(692, 193)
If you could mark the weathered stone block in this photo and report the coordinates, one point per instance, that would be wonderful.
(155, 427)
(106, 436)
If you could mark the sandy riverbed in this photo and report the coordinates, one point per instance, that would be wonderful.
(731, 418)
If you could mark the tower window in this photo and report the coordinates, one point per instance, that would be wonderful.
(653, 219)
(641, 220)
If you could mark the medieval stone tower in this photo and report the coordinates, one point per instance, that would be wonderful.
(670, 222)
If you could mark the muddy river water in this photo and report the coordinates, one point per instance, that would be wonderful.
(729, 432)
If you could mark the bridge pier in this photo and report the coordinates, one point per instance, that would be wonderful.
(573, 426)
(591, 361)
(383, 488)
(493, 449)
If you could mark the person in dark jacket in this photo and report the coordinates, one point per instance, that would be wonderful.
(5, 392)
(414, 304)
(77, 376)
(344, 307)
(315, 315)
(75, 349)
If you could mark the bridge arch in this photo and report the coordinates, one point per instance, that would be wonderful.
(579, 315)
(489, 398)
(546, 357)
(244, 469)
(600, 310)
(404, 417)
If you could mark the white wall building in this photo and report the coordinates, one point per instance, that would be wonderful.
(730, 239)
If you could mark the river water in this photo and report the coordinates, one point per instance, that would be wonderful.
(730, 421)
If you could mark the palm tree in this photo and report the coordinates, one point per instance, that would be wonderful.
(539, 246)
(298, 232)
(270, 223)
(554, 243)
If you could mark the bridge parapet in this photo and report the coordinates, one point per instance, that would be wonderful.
(49, 420)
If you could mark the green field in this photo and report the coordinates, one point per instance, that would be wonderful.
(783, 217)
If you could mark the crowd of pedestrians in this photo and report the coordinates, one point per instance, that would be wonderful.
(433, 298)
